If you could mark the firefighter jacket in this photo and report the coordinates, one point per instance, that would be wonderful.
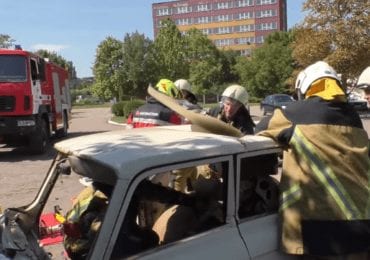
(324, 187)
(242, 119)
(154, 113)
(83, 222)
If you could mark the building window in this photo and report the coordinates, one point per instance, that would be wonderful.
(265, 2)
(224, 42)
(266, 26)
(246, 15)
(243, 3)
(183, 9)
(260, 39)
(223, 5)
(246, 40)
(184, 21)
(245, 28)
(203, 19)
(224, 30)
(202, 7)
(266, 13)
(222, 18)
(163, 11)
(205, 31)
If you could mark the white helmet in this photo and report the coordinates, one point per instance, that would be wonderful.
(238, 93)
(312, 73)
(364, 79)
(183, 84)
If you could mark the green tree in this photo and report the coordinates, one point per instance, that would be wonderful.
(205, 63)
(6, 41)
(138, 64)
(336, 31)
(170, 52)
(269, 67)
(109, 81)
(83, 89)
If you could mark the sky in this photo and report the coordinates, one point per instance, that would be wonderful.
(75, 28)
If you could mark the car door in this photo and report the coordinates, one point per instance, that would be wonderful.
(257, 213)
(186, 236)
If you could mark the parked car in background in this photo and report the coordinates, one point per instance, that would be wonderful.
(357, 99)
(270, 102)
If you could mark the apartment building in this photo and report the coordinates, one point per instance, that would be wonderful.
(231, 24)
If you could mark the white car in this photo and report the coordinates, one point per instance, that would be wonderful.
(227, 211)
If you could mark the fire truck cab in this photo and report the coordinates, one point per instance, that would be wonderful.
(34, 100)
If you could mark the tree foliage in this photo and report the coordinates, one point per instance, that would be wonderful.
(6, 41)
(336, 31)
(205, 64)
(170, 52)
(138, 66)
(109, 80)
(270, 66)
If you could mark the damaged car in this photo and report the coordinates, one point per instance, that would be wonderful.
(164, 192)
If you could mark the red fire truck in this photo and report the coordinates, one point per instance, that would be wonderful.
(34, 100)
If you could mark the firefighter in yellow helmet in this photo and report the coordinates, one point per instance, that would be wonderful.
(154, 113)
(324, 188)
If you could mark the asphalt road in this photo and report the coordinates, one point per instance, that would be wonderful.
(21, 174)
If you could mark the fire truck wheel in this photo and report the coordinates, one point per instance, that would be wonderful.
(63, 131)
(40, 139)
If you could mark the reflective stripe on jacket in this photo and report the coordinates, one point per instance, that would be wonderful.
(154, 113)
(325, 194)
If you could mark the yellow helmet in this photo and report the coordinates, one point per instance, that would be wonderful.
(167, 87)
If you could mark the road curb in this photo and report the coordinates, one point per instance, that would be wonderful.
(115, 123)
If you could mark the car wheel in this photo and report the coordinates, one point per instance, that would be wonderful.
(63, 131)
(39, 140)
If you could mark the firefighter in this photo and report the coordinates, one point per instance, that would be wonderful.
(154, 113)
(363, 82)
(83, 221)
(233, 109)
(189, 101)
(324, 187)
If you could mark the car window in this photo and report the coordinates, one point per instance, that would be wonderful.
(170, 206)
(283, 98)
(258, 189)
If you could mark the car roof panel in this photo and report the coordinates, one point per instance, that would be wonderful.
(133, 150)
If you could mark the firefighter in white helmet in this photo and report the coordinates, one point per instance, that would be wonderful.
(324, 187)
(189, 100)
(233, 109)
(363, 82)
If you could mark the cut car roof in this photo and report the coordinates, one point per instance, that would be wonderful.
(133, 150)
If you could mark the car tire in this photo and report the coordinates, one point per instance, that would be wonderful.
(39, 140)
(63, 132)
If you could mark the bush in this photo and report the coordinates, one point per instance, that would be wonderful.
(124, 108)
(117, 108)
(131, 106)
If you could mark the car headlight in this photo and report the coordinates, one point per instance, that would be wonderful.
(26, 123)
(283, 107)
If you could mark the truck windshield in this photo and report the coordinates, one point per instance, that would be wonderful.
(12, 68)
